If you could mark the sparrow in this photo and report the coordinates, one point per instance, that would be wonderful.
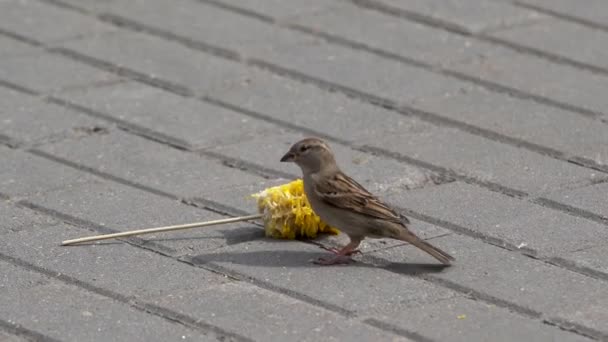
(346, 205)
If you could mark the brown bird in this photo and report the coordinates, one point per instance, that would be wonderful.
(343, 203)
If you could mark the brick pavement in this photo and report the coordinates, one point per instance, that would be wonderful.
(483, 121)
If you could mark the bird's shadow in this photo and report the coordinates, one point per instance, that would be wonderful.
(304, 259)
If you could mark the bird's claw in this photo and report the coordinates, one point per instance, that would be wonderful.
(339, 251)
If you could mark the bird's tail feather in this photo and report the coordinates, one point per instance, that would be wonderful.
(435, 252)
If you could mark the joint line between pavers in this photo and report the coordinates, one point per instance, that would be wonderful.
(30, 335)
(578, 20)
(164, 313)
(386, 103)
(455, 28)
(154, 247)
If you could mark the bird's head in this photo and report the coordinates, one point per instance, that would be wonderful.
(311, 155)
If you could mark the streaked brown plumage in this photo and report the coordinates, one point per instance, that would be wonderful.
(347, 205)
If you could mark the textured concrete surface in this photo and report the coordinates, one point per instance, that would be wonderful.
(483, 121)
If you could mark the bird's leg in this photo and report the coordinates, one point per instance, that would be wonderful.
(337, 251)
(343, 255)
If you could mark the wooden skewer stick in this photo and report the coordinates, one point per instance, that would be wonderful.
(160, 229)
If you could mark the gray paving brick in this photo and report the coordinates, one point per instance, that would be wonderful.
(122, 208)
(469, 15)
(376, 173)
(197, 123)
(460, 319)
(591, 198)
(50, 73)
(277, 8)
(152, 164)
(549, 35)
(288, 265)
(555, 292)
(537, 76)
(8, 337)
(594, 10)
(34, 301)
(404, 301)
(212, 298)
(39, 21)
(340, 116)
(18, 166)
(486, 175)
(301, 52)
(117, 267)
(30, 120)
(159, 58)
(11, 47)
(399, 36)
(308, 106)
(551, 127)
(518, 222)
(15, 219)
(486, 160)
(593, 258)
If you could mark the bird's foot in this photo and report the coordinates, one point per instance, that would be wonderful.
(337, 260)
(340, 251)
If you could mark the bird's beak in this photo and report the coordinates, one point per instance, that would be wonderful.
(288, 157)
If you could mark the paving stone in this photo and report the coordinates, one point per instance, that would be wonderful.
(406, 38)
(308, 106)
(155, 165)
(122, 208)
(408, 303)
(555, 292)
(549, 35)
(340, 116)
(23, 174)
(289, 265)
(594, 10)
(35, 300)
(593, 258)
(460, 319)
(17, 219)
(374, 172)
(38, 20)
(558, 129)
(278, 8)
(30, 120)
(8, 337)
(469, 15)
(300, 52)
(159, 58)
(539, 77)
(591, 198)
(11, 47)
(49, 73)
(197, 123)
(518, 222)
(485, 159)
(114, 266)
(168, 283)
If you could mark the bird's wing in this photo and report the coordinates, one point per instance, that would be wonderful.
(345, 193)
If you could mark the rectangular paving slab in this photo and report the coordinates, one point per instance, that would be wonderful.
(398, 301)
(184, 174)
(34, 300)
(196, 123)
(513, 280)
(175, 288)
(517, 222)
(48, 73)
(30, 120)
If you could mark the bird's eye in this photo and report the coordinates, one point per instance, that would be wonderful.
(304, 148)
